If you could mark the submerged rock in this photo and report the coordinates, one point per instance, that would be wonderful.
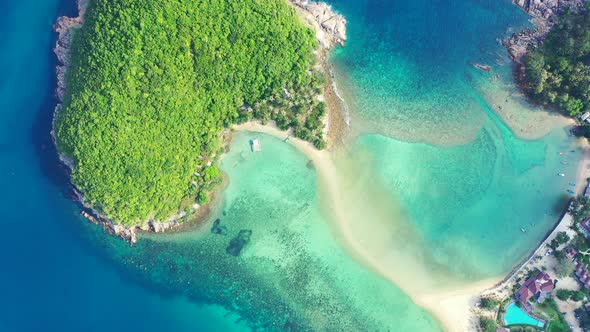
(217, 229)
(237, 243)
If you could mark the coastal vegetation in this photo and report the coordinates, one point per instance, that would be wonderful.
(565, 294)
(559, 239)
(580, 208)
(558, 71)
(556, 322)
(488, 302)
(486, 324)
(152, 83)
(582, 245)
(583, 318)
(564, 266)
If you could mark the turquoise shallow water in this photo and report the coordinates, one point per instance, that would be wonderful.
(465, 182)
(406, 64)
(292, 274)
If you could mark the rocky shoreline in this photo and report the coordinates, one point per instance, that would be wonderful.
(545, 15)
(65, 26)
(330, 27)
(330, 30)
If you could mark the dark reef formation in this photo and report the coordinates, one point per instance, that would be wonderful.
(239, 242)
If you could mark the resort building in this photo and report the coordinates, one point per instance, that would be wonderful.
(538, 286)
(570, 253)
(585, 227)
(583, 275)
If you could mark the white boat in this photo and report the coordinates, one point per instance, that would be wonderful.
(255, 143)
(561, 174)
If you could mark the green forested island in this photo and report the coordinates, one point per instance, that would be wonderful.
(558, 71)
(152, 83)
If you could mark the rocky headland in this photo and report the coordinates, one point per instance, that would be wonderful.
(545, 15)
(330, 29)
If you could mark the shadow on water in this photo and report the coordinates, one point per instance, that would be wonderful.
(45, 150)
(560, 204)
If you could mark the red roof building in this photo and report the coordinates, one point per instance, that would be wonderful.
(539, 285)
(583, 275)
(570, 253)
(585, 224)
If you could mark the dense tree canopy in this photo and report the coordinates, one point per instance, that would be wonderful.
(558, 71)
(151, 84)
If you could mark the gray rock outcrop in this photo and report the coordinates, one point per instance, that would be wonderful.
(545, 14)
(332, 24)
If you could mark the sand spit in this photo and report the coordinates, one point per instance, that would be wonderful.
(360, 215)
(454, 308)
(524, 119)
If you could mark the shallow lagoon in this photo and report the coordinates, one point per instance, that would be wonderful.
(292, 274)
(425, 121)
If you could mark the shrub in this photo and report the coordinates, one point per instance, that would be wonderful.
(487, 325)
(488, 302)
(564, 294)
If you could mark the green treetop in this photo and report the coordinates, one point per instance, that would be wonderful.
(558, 71)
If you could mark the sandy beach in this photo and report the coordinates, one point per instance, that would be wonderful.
(525, 120)
(373, 247)
(583, 168)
